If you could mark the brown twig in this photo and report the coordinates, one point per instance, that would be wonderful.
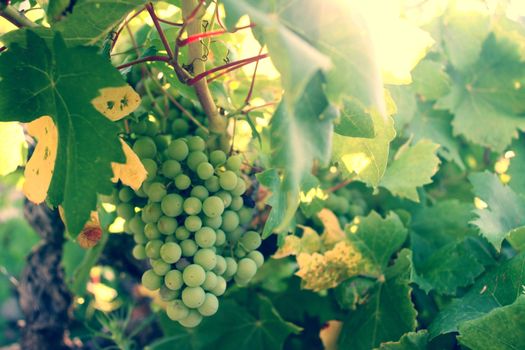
(162, 36)
(144, 59)
(252, 84)
(339, 185)
(170, 22)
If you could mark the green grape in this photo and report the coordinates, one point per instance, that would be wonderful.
(167, 225)
(151, 213)
(195, 143)
(215, 222)
(200, 192)
(140, 238)
(205, 170)
(230, 221)
(246, 269)
(193, 275)
(237, 203)
(167, 294)
(140, 193)
(182, 233)
(245, 215)
(180, 127)
(193, 319)
(151, 168)
(210, 281)
(173, 280)
(139, 127)
(196, 158)
(136, 224)
(234, 163)
(193, 297)
(239, 252)
(126, 211)
(192, 206)
(226, 198)
(251, 240)
(159, 267)
(178, 150)
(153, 249)
(110, 198)
(220, 267)
(240, 188)
(257, 257)
(171, 205)
(221, 238)
(125, 227)
(186, 103)
(151, 231)
(193, 223)
(241, 282)
(145, 147)
(176, 310)
(139, 252)
(213, 206)
(205, 237)
(235, 235)
(205, 258)
(147, 102)
(189, 247)
(210, 305)
(220, 288)
(212, 184)
(153, 128)
(126, 194)
(182, 182)
(217, 157)
(171, 168)
(231, 267)
(151, 280)
(162, 142)
(183, 262)
(228, 180)
(170, 252)
(202, 133)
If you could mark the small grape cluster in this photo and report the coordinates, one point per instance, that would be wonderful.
(189, 220)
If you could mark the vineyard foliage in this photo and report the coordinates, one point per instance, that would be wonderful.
(371, 153)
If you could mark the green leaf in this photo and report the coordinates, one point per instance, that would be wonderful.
(502, 328)
(278, 200)
(388, 314)
(505, 212)
(517, 166)
(55, 8)
(232, 328)
(61, 82)
(487, 98)
(498, 287)
(14, 147)
(430, 80)
(412, 167)
(409, 341)
(354, 120)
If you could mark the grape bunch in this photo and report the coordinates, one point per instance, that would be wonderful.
(189, 221)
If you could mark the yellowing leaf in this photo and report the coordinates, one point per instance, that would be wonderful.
(12, 144)
(116, 102)
(39, 169)
(323, 271)
(132, 173)
(309, 242)
(333, 232)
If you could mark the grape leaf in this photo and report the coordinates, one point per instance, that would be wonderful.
(409, 341)
(61, 82)
(55, 8)
(412, 167)
(517, 167)
(487, 98)
(14, 147)
(505, 212)
(232, 328)
(498, 287)
(430, 80)
(309, 242)
(132, 173)
(388, 314)
(354, 121)
(477, 333)
(278, 200)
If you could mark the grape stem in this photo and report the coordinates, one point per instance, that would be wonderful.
(339, 185)
(15, 17)
(200, 36)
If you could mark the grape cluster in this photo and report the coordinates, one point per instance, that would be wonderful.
(189, 220)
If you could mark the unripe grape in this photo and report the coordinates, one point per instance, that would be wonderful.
(230, 221)
(136, 225)
(213, 206)
(240, 188)
(140, 193)
(205, 170)
(214, 223)
(241, 282)
(193, 297)
(212, 184)
(246, 269)
(192, 206)
(236, 203)
(234, 163)
(239, 252)
(251, 240)
(245, 215)
(193, 319)
(178, 150)
(139, 127)
(170, 252)
(189, 247)
(151, 168)
(205, 258)
(145, 147)
(200, 192)
(231, 267)
(221, 238)
(125, 211)
(195, 143)
(140, 238)
(193, 275)
(151, 213)
(173, 280)
(220, 267)
(151, 280)
(151, 231)
(159, 267)
(176, 310)
(153, 249)
(167, 294)
(257, 257)
(167, 225)
(205, 237)
(210, 281)
(182, 182)
(228, 180)
(152, 128)
(171, 168)
(217, 157)
(126, 194)
(182, 233)
(179, 127)
(226, 198)
(210, 305)
(220, 288)
(139, 252)
(193, 223)
(171, 205)
(196, 158)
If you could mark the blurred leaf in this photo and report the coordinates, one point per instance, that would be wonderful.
(309, 242)
(430, 80)
(517, 166)
(14, 147)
